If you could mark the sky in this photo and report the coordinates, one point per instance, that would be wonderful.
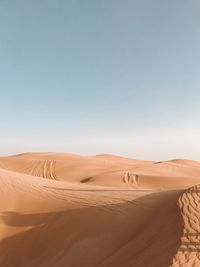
(91, 77)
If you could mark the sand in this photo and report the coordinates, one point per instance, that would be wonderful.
(65, 210)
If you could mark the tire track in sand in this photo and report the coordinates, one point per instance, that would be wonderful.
(49, 169)
(130, 178)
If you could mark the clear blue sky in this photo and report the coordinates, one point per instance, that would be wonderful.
(108, 76)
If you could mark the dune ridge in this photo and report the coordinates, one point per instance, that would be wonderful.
(60, 209)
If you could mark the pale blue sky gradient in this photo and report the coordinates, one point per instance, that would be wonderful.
(108, 76)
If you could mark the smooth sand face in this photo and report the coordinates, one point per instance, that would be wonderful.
(67, 210)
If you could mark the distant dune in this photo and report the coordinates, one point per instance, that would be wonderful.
(66, 210)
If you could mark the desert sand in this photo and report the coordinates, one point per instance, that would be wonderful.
(65, 210)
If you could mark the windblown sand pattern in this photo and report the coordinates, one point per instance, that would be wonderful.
(65, 210)
(189, 251)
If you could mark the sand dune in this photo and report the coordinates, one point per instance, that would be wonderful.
(60, 209)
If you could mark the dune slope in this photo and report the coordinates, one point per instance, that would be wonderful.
(98, 211)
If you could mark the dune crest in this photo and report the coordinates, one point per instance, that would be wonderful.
(59, 209)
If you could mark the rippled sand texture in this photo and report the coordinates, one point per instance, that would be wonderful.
(65, 210)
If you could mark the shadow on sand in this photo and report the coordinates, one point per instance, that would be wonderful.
(143, 232)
